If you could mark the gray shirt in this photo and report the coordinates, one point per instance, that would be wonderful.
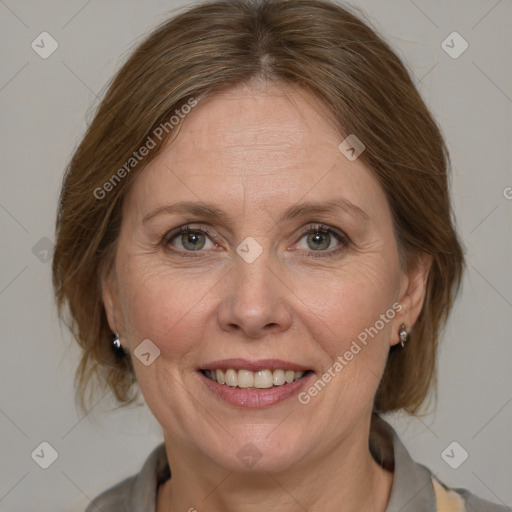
(414, 487)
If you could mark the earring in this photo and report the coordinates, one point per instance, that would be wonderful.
(117, 347)
(403, 335)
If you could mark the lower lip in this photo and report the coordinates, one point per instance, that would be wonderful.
(255, 398)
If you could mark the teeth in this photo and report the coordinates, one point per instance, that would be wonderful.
(262, 379)
(245, 379)
(231, 378)
(278, 377)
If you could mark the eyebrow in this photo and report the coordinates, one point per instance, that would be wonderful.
(300, 210)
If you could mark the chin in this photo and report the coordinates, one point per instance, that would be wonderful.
(263, 452)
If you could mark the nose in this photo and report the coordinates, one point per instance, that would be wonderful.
(254, 299)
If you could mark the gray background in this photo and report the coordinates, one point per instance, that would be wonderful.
(46, 104)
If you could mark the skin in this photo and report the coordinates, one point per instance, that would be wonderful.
(254, 151)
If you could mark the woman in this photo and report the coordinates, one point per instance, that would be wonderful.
(256, 231)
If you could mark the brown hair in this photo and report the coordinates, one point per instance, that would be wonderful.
(313, 44)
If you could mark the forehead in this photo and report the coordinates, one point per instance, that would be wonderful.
(269, 144)
(272, 118)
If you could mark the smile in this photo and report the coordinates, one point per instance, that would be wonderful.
(247, 379)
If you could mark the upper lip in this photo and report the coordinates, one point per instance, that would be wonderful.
(254, 365)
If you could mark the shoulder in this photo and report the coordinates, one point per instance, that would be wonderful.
(461, 500)
(137, 492)
(114, 498)
(415, 488)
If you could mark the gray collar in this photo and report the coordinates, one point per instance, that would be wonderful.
(412, 489)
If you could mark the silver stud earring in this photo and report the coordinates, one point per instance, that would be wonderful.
(403, 335)
(117, 347)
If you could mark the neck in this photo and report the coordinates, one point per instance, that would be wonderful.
(343, 477)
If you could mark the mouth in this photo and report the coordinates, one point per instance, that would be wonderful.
(254, 384)
(247, 379)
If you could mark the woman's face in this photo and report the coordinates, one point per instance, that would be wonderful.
(296, 263)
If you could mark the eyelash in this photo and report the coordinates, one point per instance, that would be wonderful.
(343, 240)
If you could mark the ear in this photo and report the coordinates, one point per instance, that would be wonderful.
(109, 295)
(413, 287)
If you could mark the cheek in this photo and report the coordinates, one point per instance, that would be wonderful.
(353, 329)
(164, 307)
(351, 305)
